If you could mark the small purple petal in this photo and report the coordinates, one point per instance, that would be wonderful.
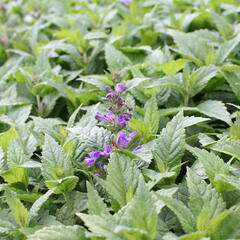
(137, 148)
(95, 155)
(89, 161)
(99, 116)
(133, 134)
(107, 151)
(109, 116)
(119, 88)
(126, 1)
(123, 119)
(124, 139)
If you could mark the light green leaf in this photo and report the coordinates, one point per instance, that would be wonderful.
(170, 145)
(213, 165)
(6, 137)
(173, 67)
(204, 202)
(33, 212)
(184, 215)
(115, 59)
(151, 116)
(225, 49)
(96, 206)
(57, 232)
(215, 109)
(19, 211)
(55, 162)
(122, 175)
(141, 128)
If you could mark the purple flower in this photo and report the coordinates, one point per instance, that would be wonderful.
(124, 139)
(123, 119)
(126, 1)
(93, 157)
(107, 151)
(119, 88)
(108, 117)
(137, 148)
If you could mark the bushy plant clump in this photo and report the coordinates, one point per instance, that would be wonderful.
(119, 120)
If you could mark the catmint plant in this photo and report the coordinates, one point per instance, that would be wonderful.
(116, 119)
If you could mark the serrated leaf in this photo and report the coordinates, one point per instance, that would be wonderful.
(215, 109)
(19, 211)
(55, 163)
(212, 164)
(15, 155)
(115, 59)
(185, 216)
(33, 212)
(204, 202)
(173, 67)
(57, 232)
(6, 137)
(233, 80)
(122, 174)
(141, 128)
(225, 49)
(141, 212)
(151, 116)
(96, 206)
(190, 121)
(170, 145)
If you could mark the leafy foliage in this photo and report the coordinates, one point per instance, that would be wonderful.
(119, 120)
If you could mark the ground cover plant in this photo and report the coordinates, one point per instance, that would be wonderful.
(119, 119)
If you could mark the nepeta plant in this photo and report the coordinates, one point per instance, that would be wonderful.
(116, 119)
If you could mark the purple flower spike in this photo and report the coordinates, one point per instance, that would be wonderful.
(107, 151)
(93, 157)
(124, 139)
(119, 88)
(137, 148)
(108, 117)
(123, 119)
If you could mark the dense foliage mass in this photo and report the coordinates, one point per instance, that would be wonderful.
(119, 119)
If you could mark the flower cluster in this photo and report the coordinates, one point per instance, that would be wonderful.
(117, 116)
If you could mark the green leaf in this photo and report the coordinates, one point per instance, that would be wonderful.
(204, 202)
(6, 137)
(213, 165)
(33, 212)
(19, 211)
(56, 164)
(122, 175)
(2, 161)
(173, 67)
(191, 46)
(151, 116)
(199, 79)
(225, 226)
(141, 213)
(215, 109)
(63, 185)
(228, 146)
(170, 145)
(233, 80)
(229, 180)
(57, 232)
(225, 49)
(96, 206)
(115, 59)
(15, 155)
(185, 216)
(223, 26)
(141, 128)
